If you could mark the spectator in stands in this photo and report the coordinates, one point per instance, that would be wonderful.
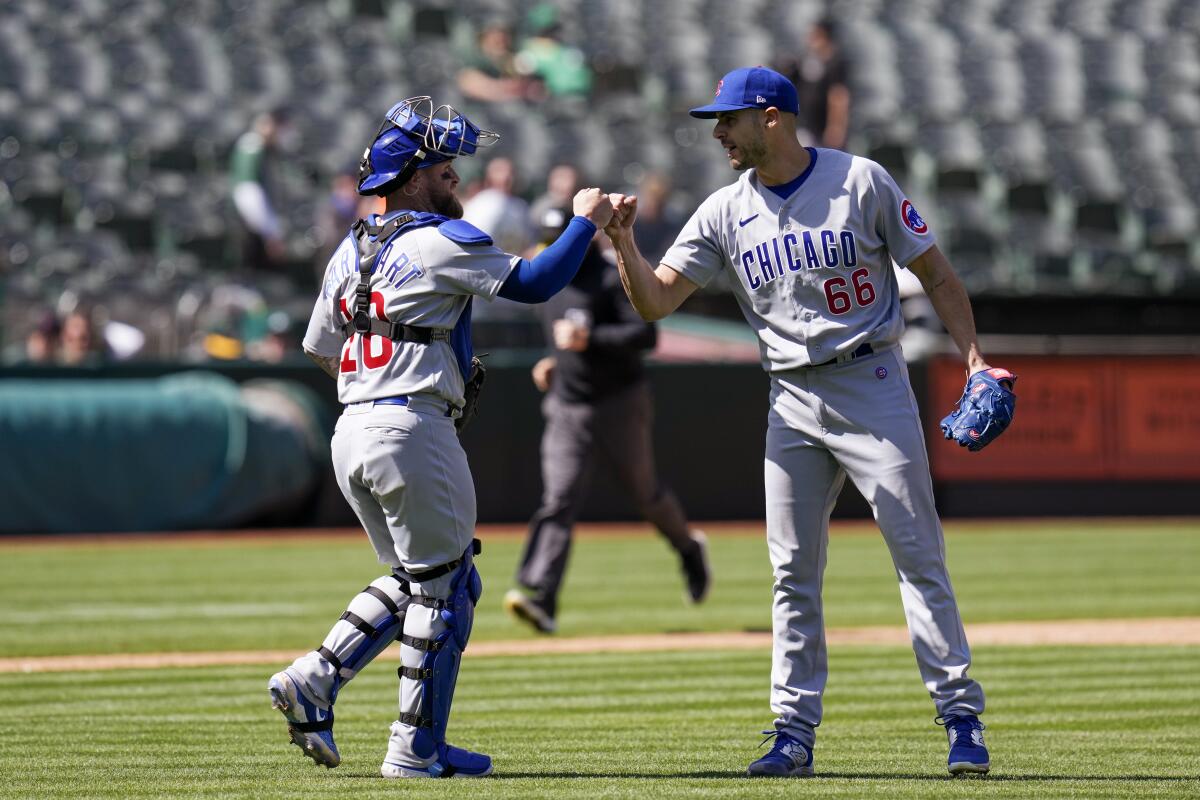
(490, 74)
(658, 221)
(562, 68)
(77, 342)
(598, 408)
(41, 345)
(496, 210)
(252, 172)
(561, 185)
(821, 78)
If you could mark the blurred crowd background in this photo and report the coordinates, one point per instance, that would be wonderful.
(173, 175)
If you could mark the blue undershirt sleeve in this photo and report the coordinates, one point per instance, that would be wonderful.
(538, 280)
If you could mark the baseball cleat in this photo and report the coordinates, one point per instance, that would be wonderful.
(310, 727)
(695, 568)
(449, 761)
(524, 609)
(968, 753)
(787, 759)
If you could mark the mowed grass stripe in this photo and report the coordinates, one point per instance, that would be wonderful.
(662, 725)
(252, 595)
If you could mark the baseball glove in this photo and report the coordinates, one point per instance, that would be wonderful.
(471, 391)
(984, 411)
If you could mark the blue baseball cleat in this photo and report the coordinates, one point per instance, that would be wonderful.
(787, 759)
(968, 753)
(310, 727)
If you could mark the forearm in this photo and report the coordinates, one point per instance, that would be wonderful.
(645, 289)
(538, 280)
(327, 363)
(949, 298)
(953, 307)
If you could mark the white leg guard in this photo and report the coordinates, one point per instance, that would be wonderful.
(436, 629)
(370, 623)
(305, 692)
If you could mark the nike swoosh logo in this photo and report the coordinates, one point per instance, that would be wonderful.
(744, 222)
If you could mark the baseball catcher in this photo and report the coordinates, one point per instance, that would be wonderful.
(984, 411)
(392, 324)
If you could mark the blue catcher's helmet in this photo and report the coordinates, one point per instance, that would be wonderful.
(414, 135)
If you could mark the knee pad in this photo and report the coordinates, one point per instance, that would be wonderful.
(436, 630)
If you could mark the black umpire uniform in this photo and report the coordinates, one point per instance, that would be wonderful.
(598, 408)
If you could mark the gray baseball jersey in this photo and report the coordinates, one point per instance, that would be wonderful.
(812, 273)
(422, 278)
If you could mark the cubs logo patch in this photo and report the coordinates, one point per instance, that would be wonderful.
(912, 219)
(881, 372)
(720, 83)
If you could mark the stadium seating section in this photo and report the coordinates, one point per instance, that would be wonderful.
(1054, 144)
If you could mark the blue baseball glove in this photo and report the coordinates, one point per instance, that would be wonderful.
(984, 411)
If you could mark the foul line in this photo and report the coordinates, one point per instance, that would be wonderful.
(1128, 632)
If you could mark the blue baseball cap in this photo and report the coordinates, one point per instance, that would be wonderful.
(751, 87)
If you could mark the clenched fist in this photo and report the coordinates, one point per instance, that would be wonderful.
(624, 209)
(593, 204)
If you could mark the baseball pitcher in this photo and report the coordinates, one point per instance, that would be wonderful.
(808, 237)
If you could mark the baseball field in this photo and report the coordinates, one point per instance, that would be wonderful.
(137, 667)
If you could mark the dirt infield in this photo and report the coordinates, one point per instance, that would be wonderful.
(1132, 632)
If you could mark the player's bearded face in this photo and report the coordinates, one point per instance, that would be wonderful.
(440, 182)
(743, 136)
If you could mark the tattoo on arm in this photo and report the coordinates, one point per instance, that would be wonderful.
(328, 363)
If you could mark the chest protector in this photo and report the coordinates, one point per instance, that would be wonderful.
(370, 241)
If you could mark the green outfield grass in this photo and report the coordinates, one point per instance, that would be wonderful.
(1084, 722)
(1080, 722)
(147, 596)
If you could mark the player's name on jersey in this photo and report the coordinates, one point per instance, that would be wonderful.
(397, 272)
(344, 261)
(796, 251)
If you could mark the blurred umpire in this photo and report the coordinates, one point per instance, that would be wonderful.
(598, 407)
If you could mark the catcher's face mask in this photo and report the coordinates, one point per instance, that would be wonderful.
(415, 134)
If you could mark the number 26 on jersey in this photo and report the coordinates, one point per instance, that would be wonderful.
(375, 351)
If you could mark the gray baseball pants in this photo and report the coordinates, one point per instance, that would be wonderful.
(858, 419)
(615, 430)
(405, 475)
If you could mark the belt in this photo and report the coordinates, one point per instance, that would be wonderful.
(863, 349)
(403, 400)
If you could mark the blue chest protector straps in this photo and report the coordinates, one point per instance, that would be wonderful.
(538, 280)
